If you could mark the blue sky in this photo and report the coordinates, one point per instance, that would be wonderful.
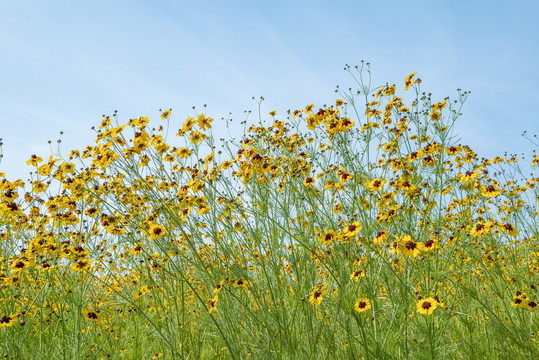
(65, 63)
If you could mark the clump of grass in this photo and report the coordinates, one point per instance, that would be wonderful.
(361, 230)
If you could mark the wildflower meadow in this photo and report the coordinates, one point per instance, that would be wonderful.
(362, 229)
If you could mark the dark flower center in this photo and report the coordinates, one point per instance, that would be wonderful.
(426, 305)
(410, 245)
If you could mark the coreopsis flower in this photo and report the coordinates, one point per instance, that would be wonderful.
(408, 247)
(352, 229)
(469, 176)
(137, 249)
(362, 305)
(81, 264)
(213, 303)
(481, 229)
(357, 274)
(309, 181)
(241, 283)
(375, 185)
(45, 266)
(426, 306)
(46, 169)
(188, 124)
(508, 228)
(218, 287)
(185, 212)
(380, 237)
(161, 147)
(317, 295)
(453, 150)
(530, 305)
(490, 190)
(183, 153)
(92, 315)
(435, 116)
(295, 113)
(166, 114)
(430, 244)
(328, 237)
(409, 81)
(34, 160)
(345, 177)
(7, 320)
(413, 156)
(196, 137)
(20, 265)
(428, 161)
(366, 204)
(372, 111)
(39, 186)
(203, 209)
(204, 122)
(156, 231)
(79, 252)
(439, 106)
(519, 299)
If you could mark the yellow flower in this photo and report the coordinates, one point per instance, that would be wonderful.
(380, 237)
(509, 229)
(362, 305)
(196, 137)
(428, 161)
(376, 184)
(137, 249)
(328, 237)
(295, 113)
(409, 81)
(469, 176)
(7, 320)
(182, 153)
(213, 304)
(408, 247)
(273, 113)
(530, 305)
(426, 306)
(81, 264)
(204, 122)
(309, 181)
(481, 229)
(439, 106)
(188, 124)
(317, 295)
(20, 265)
(156, 231)
(309, 108)
(357, 274)
(218, 287)
(352, 229)
(430, 244)
(34, 160)
(490, 191)
(92, 315)
(241, 283)
(435, 116)
(165, 114)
